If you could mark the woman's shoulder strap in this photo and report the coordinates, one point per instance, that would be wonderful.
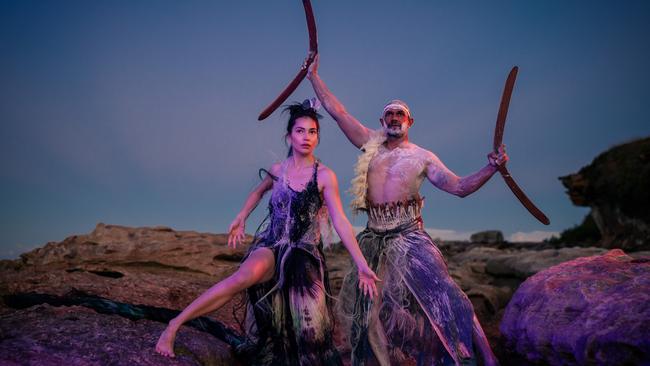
(262, 170)
(315, 173)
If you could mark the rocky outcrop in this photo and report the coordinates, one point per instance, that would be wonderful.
(185, 250)
(615, 186)
(151, 266)
(487, 237)
(156, 267)
(523, 264)
(591, 310)
(490, 275)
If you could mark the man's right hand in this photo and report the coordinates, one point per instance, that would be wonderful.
(236, 232)
(313, 68)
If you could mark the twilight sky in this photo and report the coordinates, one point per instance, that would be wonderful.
(143, 113)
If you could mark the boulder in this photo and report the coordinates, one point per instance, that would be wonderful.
(615, 186)
(489, 237)
(587, 311)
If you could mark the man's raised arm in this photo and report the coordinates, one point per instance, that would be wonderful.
(357, 133)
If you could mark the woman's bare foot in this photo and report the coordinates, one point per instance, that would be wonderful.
(165, 345)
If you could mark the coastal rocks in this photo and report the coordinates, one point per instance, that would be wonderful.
(487, 237)
(46, 335)
(591, 310)
(524, 264)
(149, 266)
(615, 186)
(488, 294)
(156, 267)
(149, 284)
(160, 245)
(493, 274)
(163, 268)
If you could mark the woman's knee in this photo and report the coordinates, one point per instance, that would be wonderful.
(255, 270)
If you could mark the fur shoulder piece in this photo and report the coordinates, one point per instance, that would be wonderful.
(360, 181)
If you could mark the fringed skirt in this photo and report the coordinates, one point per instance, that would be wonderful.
(289, 319)
(420, 317)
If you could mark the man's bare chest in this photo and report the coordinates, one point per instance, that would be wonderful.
(397, 164)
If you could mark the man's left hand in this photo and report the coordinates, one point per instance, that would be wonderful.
(499, 157)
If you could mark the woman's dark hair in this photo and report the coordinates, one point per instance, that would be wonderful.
(297, 110)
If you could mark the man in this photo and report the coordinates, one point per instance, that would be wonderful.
(420, 315)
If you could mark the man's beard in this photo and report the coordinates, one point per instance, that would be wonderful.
(396, 133)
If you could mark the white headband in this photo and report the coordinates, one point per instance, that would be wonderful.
(397, 106)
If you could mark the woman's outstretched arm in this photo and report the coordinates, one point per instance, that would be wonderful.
(343, 227)
(236, 230)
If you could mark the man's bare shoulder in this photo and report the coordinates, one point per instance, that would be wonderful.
(424, 153)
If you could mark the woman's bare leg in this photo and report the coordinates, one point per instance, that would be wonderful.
(257, 268)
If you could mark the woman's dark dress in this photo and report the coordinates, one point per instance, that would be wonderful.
(289, 319)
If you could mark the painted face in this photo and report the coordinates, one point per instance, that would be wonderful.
(396, 122)
(304, 136)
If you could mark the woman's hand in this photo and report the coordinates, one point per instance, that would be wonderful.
(367, 279)
(236, 232)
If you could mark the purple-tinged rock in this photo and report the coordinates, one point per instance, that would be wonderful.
(44, 335)
(587, 311)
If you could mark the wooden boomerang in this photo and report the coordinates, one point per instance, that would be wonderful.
(313, 50)
(498, 138)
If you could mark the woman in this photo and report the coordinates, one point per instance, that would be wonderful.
(289, 319)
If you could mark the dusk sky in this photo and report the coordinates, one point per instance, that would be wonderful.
(144, 113)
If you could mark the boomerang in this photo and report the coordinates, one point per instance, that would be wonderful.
(313, 51)
(498, 138)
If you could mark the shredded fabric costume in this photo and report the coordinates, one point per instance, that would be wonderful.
(289, 319)
(420, 316)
